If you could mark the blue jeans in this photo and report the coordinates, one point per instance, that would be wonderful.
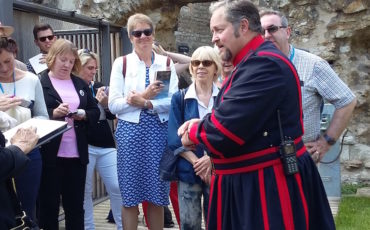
(190, 205)
(28, 183)
(105, 162)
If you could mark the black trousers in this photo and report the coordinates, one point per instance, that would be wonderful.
(64, 181)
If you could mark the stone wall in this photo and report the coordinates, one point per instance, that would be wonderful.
(336, 30)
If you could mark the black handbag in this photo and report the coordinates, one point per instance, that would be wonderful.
(22, 221)
(167, 164)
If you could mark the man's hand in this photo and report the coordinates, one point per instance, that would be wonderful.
(25, 139)
(317, 149)
(187, 126)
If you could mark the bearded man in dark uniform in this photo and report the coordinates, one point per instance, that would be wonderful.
(263, 177)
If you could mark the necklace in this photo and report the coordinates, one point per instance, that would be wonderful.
(2, 89)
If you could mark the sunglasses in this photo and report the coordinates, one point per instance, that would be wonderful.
(43, 39)
(205, 63)
(272, 29)
(138, 33)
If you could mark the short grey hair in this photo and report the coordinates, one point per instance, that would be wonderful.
(237, 10)
(283, 19)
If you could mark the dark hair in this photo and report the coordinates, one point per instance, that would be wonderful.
(9, 45)
(237, 10)
(41, 27)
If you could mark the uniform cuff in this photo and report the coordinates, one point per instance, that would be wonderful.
(193, 133)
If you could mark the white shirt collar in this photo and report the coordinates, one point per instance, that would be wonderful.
(191, 93)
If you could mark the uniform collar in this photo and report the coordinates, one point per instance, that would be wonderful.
(249, 47)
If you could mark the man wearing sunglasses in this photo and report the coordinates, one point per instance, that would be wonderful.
(318, 82)
(44, 38)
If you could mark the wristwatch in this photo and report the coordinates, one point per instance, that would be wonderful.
(329, 139)
(146, 104)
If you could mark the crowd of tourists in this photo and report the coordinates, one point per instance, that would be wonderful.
(244, 137)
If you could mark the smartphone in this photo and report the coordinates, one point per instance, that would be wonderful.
(106, 90)
(70, 114)
(25, 103)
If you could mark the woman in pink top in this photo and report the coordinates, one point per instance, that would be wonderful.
(67, 98)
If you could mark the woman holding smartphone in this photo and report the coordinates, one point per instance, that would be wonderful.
(65, 157)
(102, 148)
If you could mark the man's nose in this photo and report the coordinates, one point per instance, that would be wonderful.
(266, 35)
(215, 38)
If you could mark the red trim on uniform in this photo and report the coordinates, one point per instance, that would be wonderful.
(263, 199)
(304, 201)
(203, 136)
(250, 168)
(225, 131)
(301, 151)
(219, 204)
(193, 133)
(246, 156)
(250, 46)
(296, 79)
(251, 155)
(286, 207)
(211, 190)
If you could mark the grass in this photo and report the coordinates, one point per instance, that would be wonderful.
(353, 213)
(349, 189)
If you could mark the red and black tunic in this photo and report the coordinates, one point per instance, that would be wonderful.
(249, 189)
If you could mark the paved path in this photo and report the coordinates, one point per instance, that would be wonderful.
(101, 211)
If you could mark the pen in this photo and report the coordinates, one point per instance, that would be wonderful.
(58, 101)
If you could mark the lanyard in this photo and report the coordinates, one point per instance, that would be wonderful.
(1, 86)
(92, 88)
(292, 51)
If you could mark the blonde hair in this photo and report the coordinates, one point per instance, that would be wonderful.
(206, 53)
(86, 55)
(135, 19)
(59, 47)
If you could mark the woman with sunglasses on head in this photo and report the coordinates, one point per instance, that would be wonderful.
(68, 98)
(141, 133)
(102, 148)
(22, 98)
(194, 167)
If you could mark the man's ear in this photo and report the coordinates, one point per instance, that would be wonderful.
(244, 25)
(288, 32)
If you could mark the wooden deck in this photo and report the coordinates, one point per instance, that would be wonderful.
(101, 210)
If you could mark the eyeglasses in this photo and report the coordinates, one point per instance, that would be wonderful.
(138, 33)
(205, 63)
(43, 39)
(272, 29)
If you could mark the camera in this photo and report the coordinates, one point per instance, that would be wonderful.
(288, 157)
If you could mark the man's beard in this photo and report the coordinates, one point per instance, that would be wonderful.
(227, 56)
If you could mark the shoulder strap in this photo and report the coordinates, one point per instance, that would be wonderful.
(168, 61)
(182, 108)
(124, 59)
